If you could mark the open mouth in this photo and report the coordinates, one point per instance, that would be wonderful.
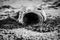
(31, 22)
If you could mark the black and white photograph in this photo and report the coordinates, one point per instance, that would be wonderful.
(29, 19)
